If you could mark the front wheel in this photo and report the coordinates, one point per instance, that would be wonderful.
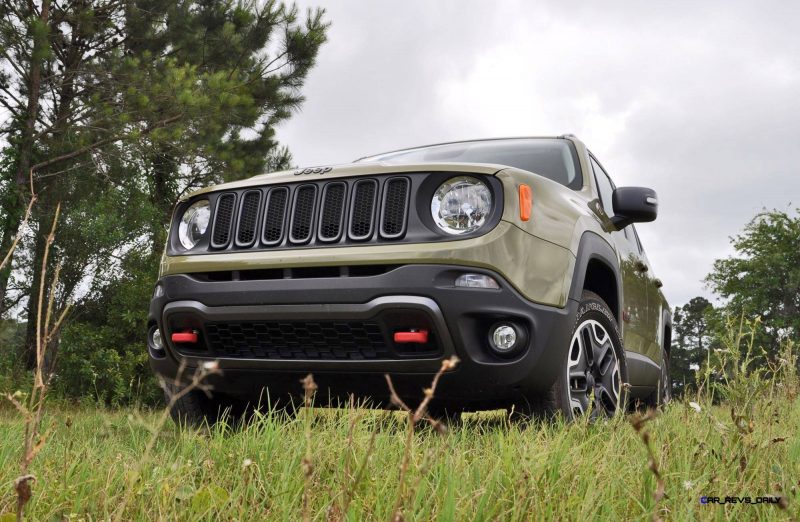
(195, 409)
(593, 371)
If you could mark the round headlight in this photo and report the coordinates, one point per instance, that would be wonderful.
(461, 205)
(194, 224)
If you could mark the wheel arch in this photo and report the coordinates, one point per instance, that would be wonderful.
(597, 269)
(667, 332)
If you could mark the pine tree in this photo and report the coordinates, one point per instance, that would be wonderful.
(119, 106)
(692, 338)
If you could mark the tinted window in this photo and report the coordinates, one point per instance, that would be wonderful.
(554, 159)
(605, 187)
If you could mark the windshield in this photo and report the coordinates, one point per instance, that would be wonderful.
(554, 159)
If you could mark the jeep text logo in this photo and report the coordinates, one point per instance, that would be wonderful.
(313, 170)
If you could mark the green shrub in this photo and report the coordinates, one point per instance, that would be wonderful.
(11, 334)
(92, 363)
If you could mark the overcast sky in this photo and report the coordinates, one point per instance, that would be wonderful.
(699, 100)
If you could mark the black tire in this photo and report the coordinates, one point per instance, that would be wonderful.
(195, 409)
(599, 373)
(447, 416)
(664, 393)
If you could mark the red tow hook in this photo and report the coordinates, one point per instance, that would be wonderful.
(187, 336)
(413, 336)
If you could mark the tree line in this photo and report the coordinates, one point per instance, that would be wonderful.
(113, 109)
(761, 281)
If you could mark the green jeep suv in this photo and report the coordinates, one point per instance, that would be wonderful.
(517, 255)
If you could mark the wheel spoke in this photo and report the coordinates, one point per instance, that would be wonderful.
(605, 358)
(599, 333)
(588, 345)
(576, 358)
(605, 400)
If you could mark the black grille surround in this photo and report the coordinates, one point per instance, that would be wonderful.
(316, 212)
(248, 218)
(332, 213)
(394, 208)
(303, 209)
(275, 216)
(362, 215)
(223, 218)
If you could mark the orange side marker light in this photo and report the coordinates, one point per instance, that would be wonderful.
(525, 202)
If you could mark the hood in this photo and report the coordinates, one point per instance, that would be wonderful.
(346, 171)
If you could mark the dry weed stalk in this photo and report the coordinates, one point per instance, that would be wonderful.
(638, 422)
(32, 410)
(197, 383)
(309, 389)
(413, 417)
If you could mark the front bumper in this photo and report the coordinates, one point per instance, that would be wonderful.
(418, 295)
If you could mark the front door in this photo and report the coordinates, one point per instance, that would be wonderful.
(634, 320)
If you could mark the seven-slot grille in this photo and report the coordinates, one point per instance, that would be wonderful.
(303, 213)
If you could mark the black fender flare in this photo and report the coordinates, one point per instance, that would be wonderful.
(666, 323)
(593, 247)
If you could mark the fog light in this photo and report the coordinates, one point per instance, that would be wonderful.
(156, 339)
(159, 291)
(504, 338)
(476, 281)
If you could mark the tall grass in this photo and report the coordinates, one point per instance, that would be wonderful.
(485, 470)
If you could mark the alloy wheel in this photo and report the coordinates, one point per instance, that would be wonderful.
(593, 371)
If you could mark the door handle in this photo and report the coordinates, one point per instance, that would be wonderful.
(658, 283)
(640, 267)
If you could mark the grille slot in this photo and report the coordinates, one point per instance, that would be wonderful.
(394, 208)
(330, 223)
(248, 218)
(223, 219)
(326, 340)
(275, 216)
(303, 213)
(362, 212)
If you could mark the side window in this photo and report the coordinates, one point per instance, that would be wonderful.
(605, 186)
(632, 238)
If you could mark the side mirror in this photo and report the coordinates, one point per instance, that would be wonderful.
(634, 205)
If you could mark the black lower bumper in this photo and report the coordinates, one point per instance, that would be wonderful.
(272, 332)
